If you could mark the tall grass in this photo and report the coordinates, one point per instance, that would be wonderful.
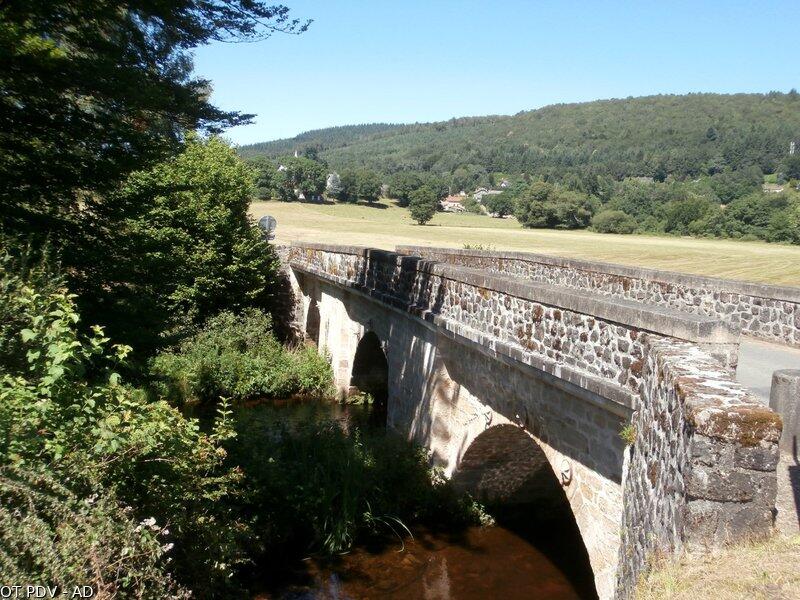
(238, 357)
(320, 489)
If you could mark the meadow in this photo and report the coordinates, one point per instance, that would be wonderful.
(385, 225)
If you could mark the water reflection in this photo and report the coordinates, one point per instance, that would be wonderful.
(479, 563)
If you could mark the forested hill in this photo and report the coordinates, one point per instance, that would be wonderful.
(650, 136)
(330, 137)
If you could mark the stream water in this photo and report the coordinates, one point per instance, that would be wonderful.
(519, 557)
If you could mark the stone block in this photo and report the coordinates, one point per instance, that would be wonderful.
(784, 399)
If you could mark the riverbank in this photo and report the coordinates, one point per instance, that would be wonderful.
(385, 225)
(765, 570)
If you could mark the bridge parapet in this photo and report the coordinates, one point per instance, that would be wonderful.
(701, 468)
(763, 311)
(593, 342)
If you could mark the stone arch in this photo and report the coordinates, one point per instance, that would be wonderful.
(505, 468)
(370, 373)
(313, 320)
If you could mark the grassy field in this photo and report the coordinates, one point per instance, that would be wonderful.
(387, 225)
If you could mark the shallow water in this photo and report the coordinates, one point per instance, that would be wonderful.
(479, 563)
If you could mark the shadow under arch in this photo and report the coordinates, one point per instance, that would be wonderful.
(313, 320)
(507, 470)
(370, 374)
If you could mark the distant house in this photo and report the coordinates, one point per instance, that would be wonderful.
(772, 188)
(504, 183)
(454, 203)
(481, 192)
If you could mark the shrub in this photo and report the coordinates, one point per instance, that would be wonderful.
(613, 221)
(238, 357)
(318, 488)
(50, 536)
(68, 413)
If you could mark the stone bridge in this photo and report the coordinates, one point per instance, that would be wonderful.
(518, 386)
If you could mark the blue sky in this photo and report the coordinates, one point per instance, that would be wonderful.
(406, 61)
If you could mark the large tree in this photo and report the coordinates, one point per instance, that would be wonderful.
(185, 251)
(91, 90)
(423, 204)
(548, 206)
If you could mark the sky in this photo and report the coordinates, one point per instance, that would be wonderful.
(406, 61)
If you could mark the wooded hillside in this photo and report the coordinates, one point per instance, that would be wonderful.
(650, 136)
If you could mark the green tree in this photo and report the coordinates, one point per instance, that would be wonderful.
(730, 185)
(791, 167)
(93, 90)
(545, 205)
(360, 184)
(613, 221)
(304, 176)
(499, 205)
(268, 180)
(402, 183)
(368, 185)
(681, 214)
(424, 203)
(184, 250)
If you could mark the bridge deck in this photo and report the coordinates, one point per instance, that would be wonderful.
(758, 359)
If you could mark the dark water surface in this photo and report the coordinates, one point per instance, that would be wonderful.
(519, 559)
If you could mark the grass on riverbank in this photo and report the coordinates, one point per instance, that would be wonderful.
(387, 225)
(758, 571)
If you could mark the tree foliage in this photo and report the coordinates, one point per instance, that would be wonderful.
(499, 205)
(424, 202)
(93, 90)
(661, 137)
(545, 205)
(176, 247)
(360, 184)
(301, 175)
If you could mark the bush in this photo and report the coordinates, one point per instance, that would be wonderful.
(613, 221)
(318, 488)
(238, 357)
(69, 414)
(50, 536)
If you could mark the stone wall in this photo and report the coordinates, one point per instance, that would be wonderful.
(570, 368)
(701, 471)
(763, 311)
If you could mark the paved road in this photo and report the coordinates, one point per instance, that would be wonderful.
(757, 361)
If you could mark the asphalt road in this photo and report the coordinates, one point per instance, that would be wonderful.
(758, 360)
